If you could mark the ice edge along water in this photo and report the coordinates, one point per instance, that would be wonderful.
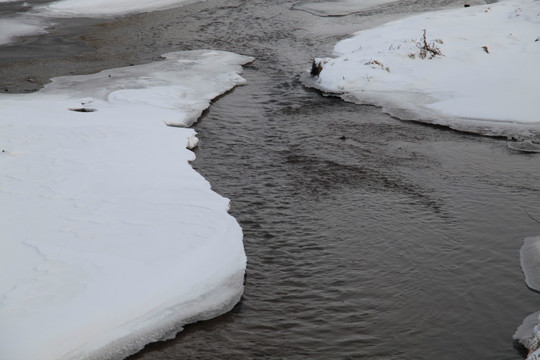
(486, 79)
(39, 18)
(528, 333)
(109, 239)
(11, 28)
(106, 8)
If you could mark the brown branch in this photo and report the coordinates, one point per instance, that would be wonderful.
(427, 48)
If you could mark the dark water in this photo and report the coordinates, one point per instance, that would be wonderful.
(367, 237)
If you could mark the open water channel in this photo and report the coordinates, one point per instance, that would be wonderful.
(367, 237)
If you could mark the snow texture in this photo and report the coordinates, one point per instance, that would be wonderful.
(526, 146)
(529, 331)
(105, 8)
(10, 28)
(34, 22)
(339, 7)
(486, 78)
(109, 239)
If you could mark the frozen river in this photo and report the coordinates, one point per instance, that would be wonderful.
(367, 237)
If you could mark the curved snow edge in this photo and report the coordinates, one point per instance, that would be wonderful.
(400, 105)
(166, 323)
(446, 68)
(528, 333)
(164, 250)
(530, 264)
(106, 8)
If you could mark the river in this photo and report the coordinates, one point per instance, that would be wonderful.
(367, 237)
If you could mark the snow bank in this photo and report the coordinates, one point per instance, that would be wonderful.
(104, 8)
(108, 238)
(339, 7)
(528, 333)
(10, 28)
(486, 78)
(33, 23)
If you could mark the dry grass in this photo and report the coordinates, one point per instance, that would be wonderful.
(378, 63)
(428, 50)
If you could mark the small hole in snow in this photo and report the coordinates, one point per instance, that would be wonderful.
(82, 109)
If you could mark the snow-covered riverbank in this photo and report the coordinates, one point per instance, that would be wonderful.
(105, 8)
(12, 28)
(528, 334)
(472, 69)
(109, 239)
(35, 19)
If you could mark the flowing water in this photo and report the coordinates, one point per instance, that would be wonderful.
(367, 237)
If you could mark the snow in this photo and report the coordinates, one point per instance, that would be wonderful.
(528, 333)
(339, 7)
(530, 262)
(34, 21)
(105, 8)
(10, 28)
(109, 239)
(487, 79)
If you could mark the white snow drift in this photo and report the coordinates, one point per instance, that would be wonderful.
(36, 21)
(478, 71)
(528, 333)
(104, 8)
(108, 238)
(11, 28)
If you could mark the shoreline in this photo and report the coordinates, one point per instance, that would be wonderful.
(72, 46)
(447, 78)
(375, 140)
(102, 206)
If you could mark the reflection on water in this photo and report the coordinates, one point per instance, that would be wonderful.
(367, 237)
(339, 7)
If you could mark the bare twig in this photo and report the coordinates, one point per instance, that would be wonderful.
(428, 49)
(377, 62)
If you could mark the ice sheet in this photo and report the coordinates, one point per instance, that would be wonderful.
(339, 7)
(10, 28)
(528, 332)
(108, 237)
(486, 79)
(35, 21)
(530, 262)
(104, 8)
